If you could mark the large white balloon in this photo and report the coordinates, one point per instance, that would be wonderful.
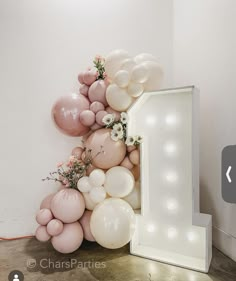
(118, 98)
(140, 73)
(122, 78)
(84, 185)
(155, 76)
(113, 62)
(135, 89)
(119, 182)
(113, 223)
(134, 198)
(128, 65)
(97, 177)
(144, 57)
(97, 194)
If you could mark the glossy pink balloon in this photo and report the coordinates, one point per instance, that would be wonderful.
(77, 152)
(65, 114)
(44, 216)
(97, 92)
(99, 117)
(89, 77)
(84, 90)
(42, 234)
(95, 127)
(46, 203)
(113, 111)
(54, 227)
(96, 106)
(127, 163)
(87, 118)
(111, 153)
(81, 77)
(85, 223)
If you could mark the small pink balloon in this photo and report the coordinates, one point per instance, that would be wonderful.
(97, 92)
(65, 114)
(44, 216)
(81, 77)
(95, 127)
(99, 117)
(46, 203)
(127, 163)
(87, 118)
(89, 77)
(84, 89)
(113, 111)
(96, 106)
(134, 157)
(85, 223)
(111, 153)
(131, 148)
(77, 152)
(41, 234)
(54, 227)
(68, 205)
(70, 239)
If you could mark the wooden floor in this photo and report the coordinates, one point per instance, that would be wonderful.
(39, 262)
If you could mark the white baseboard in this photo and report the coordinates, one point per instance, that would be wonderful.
(225, 242)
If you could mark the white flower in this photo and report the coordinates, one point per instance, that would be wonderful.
(124, 117)
(118, 127)
(115, 135)
(108, 119)
(130, 141)
(138, 139)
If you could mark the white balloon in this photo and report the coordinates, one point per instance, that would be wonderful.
(113, 223)
(135, 89)
(122, 78)
(97, 177)
(144, 57)
(134, 198)
(118, 98)
(155, 76)
(89, 204)
(139, 73)
(97, 194)
(84, 185)
(119, 182)
(113, 62)
(128, 65)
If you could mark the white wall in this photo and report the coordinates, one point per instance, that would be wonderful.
(43, 46)
(204, 55)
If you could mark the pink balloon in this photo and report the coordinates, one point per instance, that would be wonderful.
(113, 111)
(85, 223)
(65, 114)
(96, 106)
(77, 152)
(70, 239)
(90, 169)
(134, 157)
(54, 227)
(99, 117)
(131, 148)
(81, 77)
(127, 163)
(84, 90)
(111, 153)
(95, 127)
(68, 205)
(87, 118)
(97, 92)
(42, 234)
(46, 203)
(44, 216)
(90, 76)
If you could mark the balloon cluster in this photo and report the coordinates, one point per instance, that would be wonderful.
(100, 183)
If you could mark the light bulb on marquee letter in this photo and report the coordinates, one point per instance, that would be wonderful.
(170, 176)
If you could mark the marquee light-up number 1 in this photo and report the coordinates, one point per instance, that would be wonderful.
(170, 227)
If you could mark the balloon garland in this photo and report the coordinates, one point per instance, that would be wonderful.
(100, 182)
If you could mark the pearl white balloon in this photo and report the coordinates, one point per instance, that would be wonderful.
(89, 204)
(128, 65)
(113, 223)
(140, 73)
(97, 194)
(119, 182)
(155, 76)
(135, 89)
(97, 177)
(144, 57)
(113, 62)
(134, 198)
(84, 184)
(118, 98)
(122, 78)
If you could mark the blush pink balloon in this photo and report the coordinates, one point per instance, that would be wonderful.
(84, 89)
(95, 127)
(90, 169)
(113, 111)
(77, 152)
(65, 114)
(134, 157)
(41, 234)
(68, 205)
(99, 117)
(46, 203)
(54, 227)
(96, 106)
(127, 163)
(44, 216)
(81, 77)
(70, 239)
(89, 77)
(131, 148)
(87, 118)
(85, 223)
(111, 153)
(97, 92)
